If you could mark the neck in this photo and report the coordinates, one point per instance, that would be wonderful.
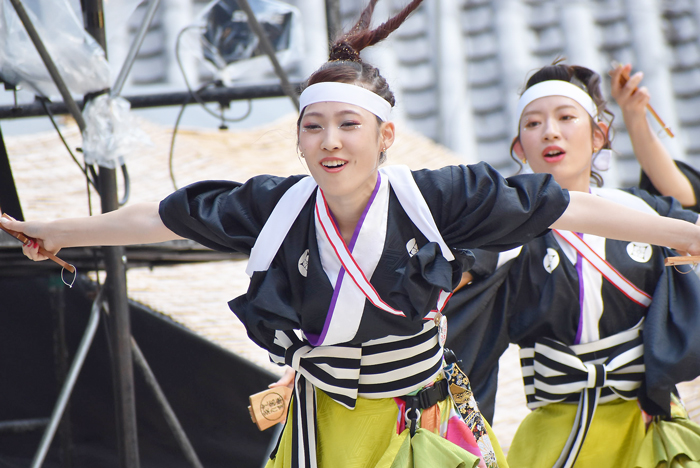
(578, 184)
(347, 210)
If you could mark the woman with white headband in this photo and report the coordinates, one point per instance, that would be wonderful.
(350, 268)
(603, 326)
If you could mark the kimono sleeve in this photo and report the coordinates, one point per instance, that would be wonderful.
(474, 206)
(688, 171)
(665, 206)
(671, 347)
(478, 334)
(223, 215)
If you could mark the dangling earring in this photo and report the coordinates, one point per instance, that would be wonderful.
(382, 155)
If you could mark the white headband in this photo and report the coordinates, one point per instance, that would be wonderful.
(347, 93)
(557, 88)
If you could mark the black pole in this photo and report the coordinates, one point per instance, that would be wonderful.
(58, 309)
(333, 19)
(223, 95)
(115, 286)
(9, 200)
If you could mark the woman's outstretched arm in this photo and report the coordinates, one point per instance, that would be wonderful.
(594, 215)
(650, 152)
(135, 224)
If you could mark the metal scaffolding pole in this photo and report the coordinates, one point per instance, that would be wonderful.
(68, 385)
(115, 285)
(170, 417)
(9, 200)
(266, 46)
(222, 95)
(134, 49)
(48, 62)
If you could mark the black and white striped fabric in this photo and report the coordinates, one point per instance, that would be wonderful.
(392, 366)
(589, 374)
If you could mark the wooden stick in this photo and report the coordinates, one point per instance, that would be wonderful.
(27, 240)
(682, 260)
(624, 77)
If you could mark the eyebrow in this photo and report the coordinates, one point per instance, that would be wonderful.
(563, 106)
(319, 114)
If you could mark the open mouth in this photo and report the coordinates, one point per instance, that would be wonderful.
(333, 164)
(553, 153)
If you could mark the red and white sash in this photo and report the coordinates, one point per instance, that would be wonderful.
(604, 268)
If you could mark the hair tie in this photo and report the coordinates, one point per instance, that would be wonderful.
(344, 52)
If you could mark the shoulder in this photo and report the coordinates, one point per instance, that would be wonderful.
(215, 200)
(267, 186)
(451, 174)
(632, 198)
(665, 206)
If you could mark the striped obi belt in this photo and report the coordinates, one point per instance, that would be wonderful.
(590, 373)
(388, 367)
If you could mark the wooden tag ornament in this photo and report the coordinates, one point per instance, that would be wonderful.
(269, 407)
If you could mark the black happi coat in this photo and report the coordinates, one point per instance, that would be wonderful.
(472, 207)
(521, 303)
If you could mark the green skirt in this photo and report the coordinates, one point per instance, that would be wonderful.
(366, 437)
(618, 437)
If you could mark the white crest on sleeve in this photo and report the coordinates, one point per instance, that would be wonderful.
(412, 247)
(551, 260)
(304, 263)
(639, 252)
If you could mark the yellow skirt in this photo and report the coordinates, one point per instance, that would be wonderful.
(617, 438)
(366, 437)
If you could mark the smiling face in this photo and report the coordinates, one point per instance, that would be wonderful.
(556, 137)
(341, 144)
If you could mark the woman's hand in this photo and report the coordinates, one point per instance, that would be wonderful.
(37, 232)
(655, 160)
(287, 380)
(693, 247)
(632, 100)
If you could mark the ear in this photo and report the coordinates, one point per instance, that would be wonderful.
(600, 135)
(518, 148)
(387, 133)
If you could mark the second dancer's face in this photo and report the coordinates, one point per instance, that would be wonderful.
(556, 137)
(341, 144)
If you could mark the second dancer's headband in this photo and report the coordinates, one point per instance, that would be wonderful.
(348, 93)
(557, 88)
